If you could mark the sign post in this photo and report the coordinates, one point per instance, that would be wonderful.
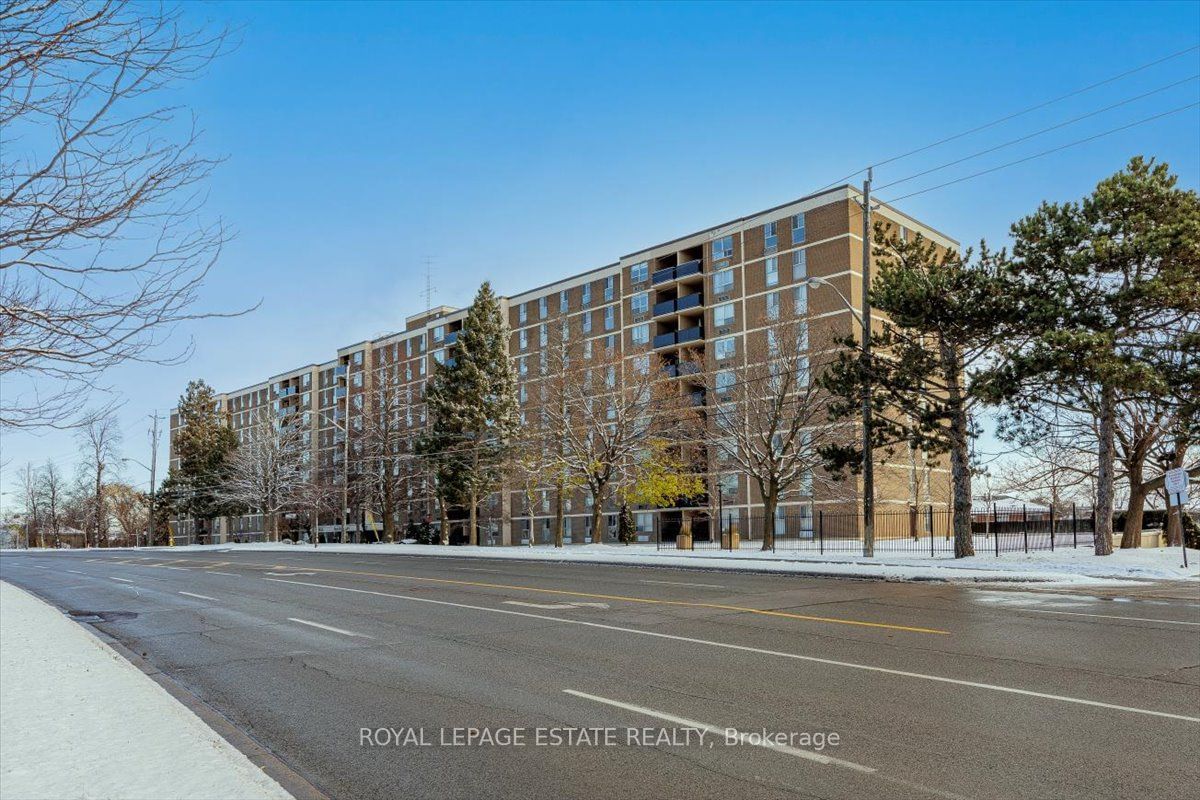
(1176, 484)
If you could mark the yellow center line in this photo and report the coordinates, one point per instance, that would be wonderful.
(627, 599)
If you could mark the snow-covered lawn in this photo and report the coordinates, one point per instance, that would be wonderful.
(79, 721)
(1069, 566)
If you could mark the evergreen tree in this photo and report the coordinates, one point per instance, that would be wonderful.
(203, 445)
(943, 313)
(473, 400)
(1106, 281)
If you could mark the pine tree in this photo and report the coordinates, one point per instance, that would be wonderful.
(1106, 281)
(473, 400)
(944, 314)
(203, 444)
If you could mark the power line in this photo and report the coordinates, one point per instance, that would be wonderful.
(1045, 152)
(1020, 113)
(1063, 124)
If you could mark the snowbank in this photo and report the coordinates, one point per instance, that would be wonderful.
(77, 720)
(1070, 566)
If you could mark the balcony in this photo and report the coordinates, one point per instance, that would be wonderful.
(339, 371)
(689, 334)
(689, 301)
(665, 307)
(339, 392)
(451, 338)
(688, 268)
(663, 275)
(664, 340)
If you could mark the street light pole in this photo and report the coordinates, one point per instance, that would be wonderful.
(868, 460)
(153, 485)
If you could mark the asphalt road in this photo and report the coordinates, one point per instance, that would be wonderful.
(933, 691)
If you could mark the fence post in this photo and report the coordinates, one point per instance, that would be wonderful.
(1025, 525)
(1074, 527)
(821, 530)
(949, 522)
(657, 533)
(1051, 528)
(996, 528)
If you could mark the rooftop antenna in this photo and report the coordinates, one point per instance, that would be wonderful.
(428, 284)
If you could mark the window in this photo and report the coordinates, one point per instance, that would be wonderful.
(722, 248)
(640, 334)
(564, 301)
(421, 365)
(358, 358)
(587, 295)
(642, 364)
(609, 283)
(725, 348)
(640, 303)
(421, 344)
(802, 335)
(798, 229)
(724, 381)
(358, 379)
(800, 299)
(770, 239)
(773, 306)
(439, 356)
(903, 234)
(523, 366)
(802, 371)
(728, 485)
(439, 333)
(610, 317)
(771, 270)
(587, 349)
(523, 393)
(543, 335)
(522, 314)
(523, 339)
(587, 322)
(722, 281)
(543, 308)
(639, 272)
(799, 265)
(723, 315)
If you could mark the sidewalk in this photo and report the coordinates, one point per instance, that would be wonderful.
(1061, 567)
(79, 721)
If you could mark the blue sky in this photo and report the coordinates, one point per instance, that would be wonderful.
(519, 143)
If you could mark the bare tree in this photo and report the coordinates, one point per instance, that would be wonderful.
(130, 509)
(769, 419)
(268, 472)
(31, 499)
(102, 249)
(53, 488)
(100, 443)
(387, 437)
(607, 405)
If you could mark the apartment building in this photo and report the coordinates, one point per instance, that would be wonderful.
(707, 294)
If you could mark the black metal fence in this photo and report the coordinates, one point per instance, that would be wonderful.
(911, 532)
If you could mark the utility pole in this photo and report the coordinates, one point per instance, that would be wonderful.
(868, 460)
(153, 477)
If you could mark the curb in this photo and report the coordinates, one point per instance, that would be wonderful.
(292, 782)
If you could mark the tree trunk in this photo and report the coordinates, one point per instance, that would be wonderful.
(558, 516)
(444, 523)
(770, 501)
(960, 452)
(597, 513)
(389, 525)
(1135, 509)
(473, 519)
(1104, 477)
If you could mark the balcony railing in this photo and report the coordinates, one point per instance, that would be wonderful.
(451, 338)
(689, 334)
(664, 339)
(689, 301)
(687, 268)
(663, 275)
(664, 307)
(339, 371)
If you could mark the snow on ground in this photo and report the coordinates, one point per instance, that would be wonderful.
(1062, 566)
(79, 721)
